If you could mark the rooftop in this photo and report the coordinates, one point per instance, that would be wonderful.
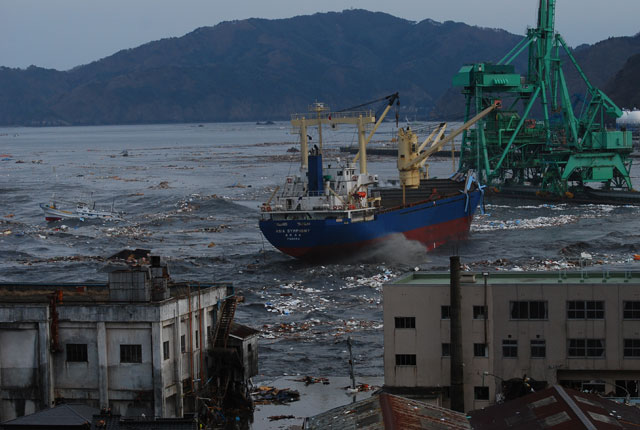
(386, 411)
(557, 408)
(68, 415)
(504, 277)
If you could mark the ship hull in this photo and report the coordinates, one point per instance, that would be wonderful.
(431, 223)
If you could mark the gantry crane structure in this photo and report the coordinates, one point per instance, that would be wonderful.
(557, 152)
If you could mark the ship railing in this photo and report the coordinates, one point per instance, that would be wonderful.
(331, 116)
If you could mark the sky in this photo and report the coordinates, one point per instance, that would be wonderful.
(62, 34)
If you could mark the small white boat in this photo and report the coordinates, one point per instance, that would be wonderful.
(52, 212)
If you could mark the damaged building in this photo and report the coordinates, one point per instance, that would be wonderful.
(519, 331)
(139, 345)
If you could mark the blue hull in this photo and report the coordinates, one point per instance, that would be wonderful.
(431, 223)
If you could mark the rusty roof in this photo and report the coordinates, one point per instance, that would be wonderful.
(389, 412)
(557, 408)
(242, 331)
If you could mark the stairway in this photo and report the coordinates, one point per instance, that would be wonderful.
(224, 325)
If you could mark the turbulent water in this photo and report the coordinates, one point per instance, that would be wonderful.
(191, 194)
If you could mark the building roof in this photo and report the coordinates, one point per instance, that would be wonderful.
(557, 408)
(117, 422)
(242, 331)
(389, 412)
(69, 415)
(510, 277)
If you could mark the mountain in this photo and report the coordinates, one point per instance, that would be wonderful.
(599, 62)
(624, 87)
(254, 69)
(259, 69)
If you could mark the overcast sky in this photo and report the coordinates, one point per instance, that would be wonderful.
(62, 34)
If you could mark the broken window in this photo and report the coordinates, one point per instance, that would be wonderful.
(130, 353)
(77, 352)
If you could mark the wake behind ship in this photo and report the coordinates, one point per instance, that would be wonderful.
(339, 208)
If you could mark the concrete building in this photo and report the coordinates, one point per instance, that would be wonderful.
(580, 330)
(136, 345)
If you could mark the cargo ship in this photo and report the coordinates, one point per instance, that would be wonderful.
(339, 208)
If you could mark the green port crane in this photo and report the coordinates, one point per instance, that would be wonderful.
(557, 152)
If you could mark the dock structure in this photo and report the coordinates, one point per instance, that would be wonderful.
(521, 331)
(137, 345)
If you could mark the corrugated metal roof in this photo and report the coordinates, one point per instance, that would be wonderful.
(571, 410)
(242, 331)
(388, 412)
(62, 415)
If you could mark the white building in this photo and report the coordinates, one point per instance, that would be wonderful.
(581, 330)
(136, 345)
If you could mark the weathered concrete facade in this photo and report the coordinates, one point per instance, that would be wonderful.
(582, 330)
(105, 350)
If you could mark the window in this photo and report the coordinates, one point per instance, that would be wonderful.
(631, 348)
(76, 352)
(631, 310)
(580, 310)
(197, 343)
(534, 310)
(509, 348)
(538, 348)
(445, 312)
(130, 353)
(480, 350)
(405, 322)
(479, 312)
(183, 343)
(481, 393)
(405, 359)
(586, 348)
(249, 348)
(446, 350)
(165, 350)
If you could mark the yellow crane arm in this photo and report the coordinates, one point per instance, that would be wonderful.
(440, 130)
(437, 146)
(375, 127)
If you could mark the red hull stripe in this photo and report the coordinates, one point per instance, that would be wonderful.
(431, 236)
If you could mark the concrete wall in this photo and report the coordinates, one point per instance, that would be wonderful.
(425, 341)
(31, 377)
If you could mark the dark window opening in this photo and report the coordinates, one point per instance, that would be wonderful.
(585, 348)
(445, 312)
(632, 348)
(165, 350)
(529, 310)
(581, 309)
(509, 348)
(631, 310)
(480, 350)
(77, 352)
(446, 350)
(405, 359)
(538, 348)
(481, 393)
(130, 353)
(183, 343)
(405, 322)
(479, 312)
